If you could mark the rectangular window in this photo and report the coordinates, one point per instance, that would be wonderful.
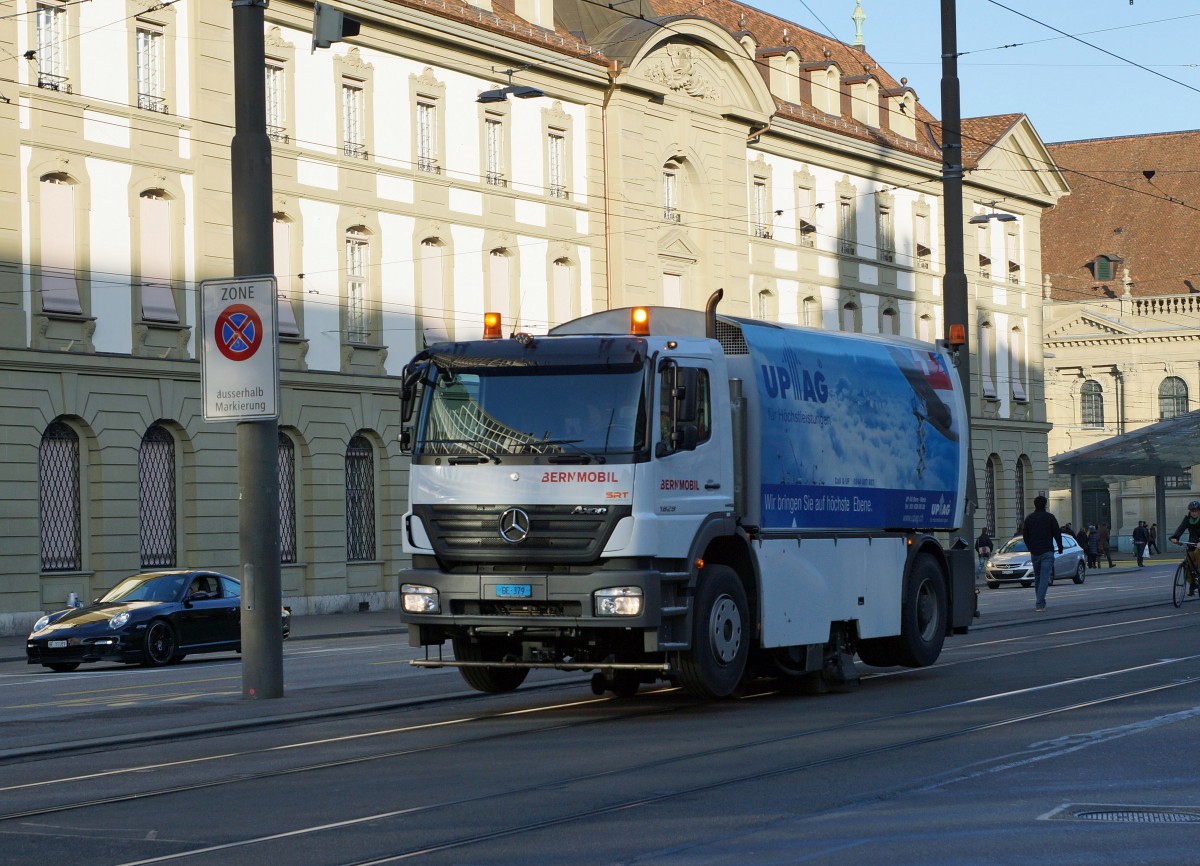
(287, 500)
(493, 135)
(846, 229)
(987, 361)
(52, 47)
(158, 299)
(1178, 482)
(923, 254)
(435, 324)
(670, 192)
(356, 288)
(1104, 270)
(500, 294)
(1013, 253)
(758, 209)
(281, 230)
(1016, 354)
(150, 88)
(60, 291)
(354, 142)
(427, 138)
(276, 82)
(884, 235)
(985, 250)
(556, 152)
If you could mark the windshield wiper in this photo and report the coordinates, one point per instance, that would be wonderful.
(581, 455)
(495, 458)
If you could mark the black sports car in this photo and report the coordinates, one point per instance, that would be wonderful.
(155, 618)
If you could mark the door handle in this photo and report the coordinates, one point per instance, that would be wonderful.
(712, 485)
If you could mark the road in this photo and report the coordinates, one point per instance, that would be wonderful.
(1063, 737)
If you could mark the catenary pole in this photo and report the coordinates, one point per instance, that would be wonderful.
(954, 288)
(257, 441)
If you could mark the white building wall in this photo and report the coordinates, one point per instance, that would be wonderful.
(111, 263)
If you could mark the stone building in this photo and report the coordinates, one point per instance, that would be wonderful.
(1122, 312)
(662, 153)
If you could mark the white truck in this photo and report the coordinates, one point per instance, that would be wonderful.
(656, 493)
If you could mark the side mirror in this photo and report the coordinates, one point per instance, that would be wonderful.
(687, 387)
(406, 440)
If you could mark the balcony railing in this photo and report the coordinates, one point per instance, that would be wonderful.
(672, 216)
(53, 82)
(277, 133)
(495, 178)
(762, 232)
(355, 150)
(887, 256)
(557, 191)
(150, 102)
(429, 164)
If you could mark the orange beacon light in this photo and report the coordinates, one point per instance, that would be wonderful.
(491, 326)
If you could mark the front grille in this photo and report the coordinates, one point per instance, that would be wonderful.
(471, 533)
(731, 338)
(508, 608)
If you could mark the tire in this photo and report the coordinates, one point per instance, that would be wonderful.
(993, 584)
(160, 643)
(67, 667)
(1080, 574)
(720, 635)
(491, 680)
(1027, 583)
(1179, 590)
(625, 684)
(923, 617)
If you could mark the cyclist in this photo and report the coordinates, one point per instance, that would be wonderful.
(1191, 523)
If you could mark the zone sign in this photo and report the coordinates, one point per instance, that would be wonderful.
(240, 349)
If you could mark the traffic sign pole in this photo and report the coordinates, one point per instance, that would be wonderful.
(258, 441)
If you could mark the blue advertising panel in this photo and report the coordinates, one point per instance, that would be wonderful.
(856, 433)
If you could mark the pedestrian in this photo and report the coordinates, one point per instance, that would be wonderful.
(1153, 547)
(1105, 550)
(1042, 536)
(1093, 546)
(1081, 537)
(1141, 537)
(983, 547)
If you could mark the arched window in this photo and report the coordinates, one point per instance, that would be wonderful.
(1019, 487)
(156, 498)
(989, 494)
(890, 322)
(154, 231)
(850, 318)
(812, 312)
(360, 500)
(58, 485)
(287, 499)
(1091, 404)
(671, 191)
(358, 286)
(1172, 398)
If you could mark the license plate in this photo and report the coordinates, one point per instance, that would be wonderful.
(56, 644)
(514, 590)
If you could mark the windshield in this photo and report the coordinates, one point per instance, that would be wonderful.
(1014, 545)
(567, 416)
(143, 588)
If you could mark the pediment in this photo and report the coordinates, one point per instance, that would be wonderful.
(1087, 326)
(674, 244)
(1018, 161)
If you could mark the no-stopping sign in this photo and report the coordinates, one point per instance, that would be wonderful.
(240, 351)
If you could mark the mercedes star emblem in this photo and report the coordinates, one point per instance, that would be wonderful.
(514, 525)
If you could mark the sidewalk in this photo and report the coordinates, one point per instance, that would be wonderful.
(314, 627)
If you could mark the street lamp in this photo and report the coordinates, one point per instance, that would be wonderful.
(500, 94)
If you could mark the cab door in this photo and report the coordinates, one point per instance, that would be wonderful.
(693, 472)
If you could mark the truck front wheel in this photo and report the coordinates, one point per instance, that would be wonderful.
(487, 679)
(923, 619)
(720, 635)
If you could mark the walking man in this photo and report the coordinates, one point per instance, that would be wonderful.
(1042, 536)
(1105, 550)
(1141, 537)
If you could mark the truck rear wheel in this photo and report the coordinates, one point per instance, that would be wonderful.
(720, 635)
(487, 679)
(922, 622)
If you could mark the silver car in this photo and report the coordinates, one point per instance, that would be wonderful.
(1012, 564)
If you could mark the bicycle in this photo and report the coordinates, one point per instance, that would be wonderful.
(1185, 578)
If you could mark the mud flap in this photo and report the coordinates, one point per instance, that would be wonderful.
(962, 589)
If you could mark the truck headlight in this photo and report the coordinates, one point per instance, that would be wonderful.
(416, 598)
(618, 601)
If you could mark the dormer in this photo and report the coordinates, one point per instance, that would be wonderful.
(825, 77)
(901, 103)
(782, 71)
(1104, 267)
(746, 39)
(864, 98)
(539, 12)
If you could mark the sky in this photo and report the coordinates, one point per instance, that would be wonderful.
(1070, 90)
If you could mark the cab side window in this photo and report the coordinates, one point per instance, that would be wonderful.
(675, 413)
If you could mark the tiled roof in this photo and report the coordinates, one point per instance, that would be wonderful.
(1153, 224)
(767, 30)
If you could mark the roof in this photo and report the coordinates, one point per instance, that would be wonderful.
(1165, 448)
(1152, 224)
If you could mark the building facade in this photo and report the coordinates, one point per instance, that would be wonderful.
(1121, 313)
(661, 155)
